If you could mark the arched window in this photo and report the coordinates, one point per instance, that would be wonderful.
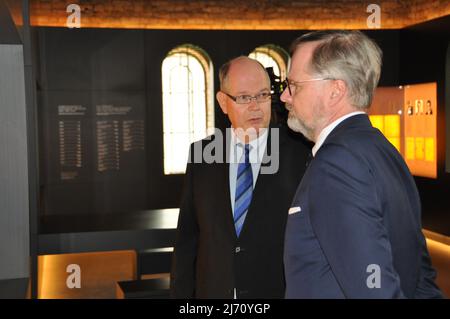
(270, 55)
(188, 106)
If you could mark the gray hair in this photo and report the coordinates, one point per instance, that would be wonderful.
(347, 55)
(225, 68)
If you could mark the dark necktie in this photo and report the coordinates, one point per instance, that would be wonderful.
(244, 190)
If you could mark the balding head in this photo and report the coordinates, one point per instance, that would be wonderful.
(237, 65)
(245, 77)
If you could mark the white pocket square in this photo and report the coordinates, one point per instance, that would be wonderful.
(294, 210)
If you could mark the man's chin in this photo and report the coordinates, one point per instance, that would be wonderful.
(250, 133)
(295, 125)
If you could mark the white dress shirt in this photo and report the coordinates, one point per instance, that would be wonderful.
(258, 147)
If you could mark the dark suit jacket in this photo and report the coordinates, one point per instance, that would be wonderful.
(360, 210)
(209, 260)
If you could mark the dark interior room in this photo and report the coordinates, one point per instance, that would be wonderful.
(100, 100)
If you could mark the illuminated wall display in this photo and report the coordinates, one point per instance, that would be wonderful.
(407, 116)
(420, 129)
(386, 114)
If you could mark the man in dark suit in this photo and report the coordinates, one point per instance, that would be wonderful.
(354, 228)
(234, 206)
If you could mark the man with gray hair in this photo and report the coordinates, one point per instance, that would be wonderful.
(354, 228)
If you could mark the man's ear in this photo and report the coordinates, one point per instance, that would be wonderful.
(221, 98)
(338, 91)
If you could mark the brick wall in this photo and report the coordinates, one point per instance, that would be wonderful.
(236, 14)
(424, 10)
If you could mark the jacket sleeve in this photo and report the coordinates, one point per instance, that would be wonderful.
(426, 287)
(182, 277)
(347, 219)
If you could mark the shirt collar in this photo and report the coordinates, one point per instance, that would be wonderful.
(257, 149)
(327, 130)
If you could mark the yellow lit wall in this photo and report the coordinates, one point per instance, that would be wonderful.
(420, 120)
(389, 125)
(407, 116)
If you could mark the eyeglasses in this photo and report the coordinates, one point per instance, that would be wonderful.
(287, 83)
(246, 99)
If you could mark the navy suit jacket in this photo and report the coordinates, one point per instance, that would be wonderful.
(209, 260)
(358, 232)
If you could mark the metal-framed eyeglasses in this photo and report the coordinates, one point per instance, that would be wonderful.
(246, 99)
(288, 83)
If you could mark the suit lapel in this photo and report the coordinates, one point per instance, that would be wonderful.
(226, 213)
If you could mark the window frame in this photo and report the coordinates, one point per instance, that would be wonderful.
(205, 62)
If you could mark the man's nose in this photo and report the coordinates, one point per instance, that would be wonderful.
(285, 95)
(253, 104)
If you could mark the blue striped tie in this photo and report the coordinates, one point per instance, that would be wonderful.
(244, 190)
